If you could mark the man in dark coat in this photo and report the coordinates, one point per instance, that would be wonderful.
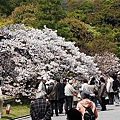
(61, 95)
(116, 87)
(40, 109)
(53, 97)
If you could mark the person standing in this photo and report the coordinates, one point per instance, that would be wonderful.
(69, 93)
(102, 93)
(64, 82)
(110, 89)
(85, 103)
(42, 85)
(53, 97)
(84, 85)
(61, 95)
(74, 114)
(1, 100)
(116, 87)
(76, 87)
(93, 90)
(40, 109)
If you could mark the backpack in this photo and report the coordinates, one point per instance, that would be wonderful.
(88, 115)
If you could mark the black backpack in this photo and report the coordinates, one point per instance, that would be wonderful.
(89, 115)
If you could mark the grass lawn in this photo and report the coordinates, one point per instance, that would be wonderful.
(15, 111)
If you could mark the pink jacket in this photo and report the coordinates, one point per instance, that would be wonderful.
(86, 102)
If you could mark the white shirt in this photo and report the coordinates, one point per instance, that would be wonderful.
(0, 91)
(85, 87)
(41, 87)
(109, 84)
(69, 90)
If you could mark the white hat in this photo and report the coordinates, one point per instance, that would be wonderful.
(70, 81)
(40, 94)
(44, 78)
(47, 83)
(39, 78)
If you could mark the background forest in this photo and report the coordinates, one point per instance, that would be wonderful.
(94, 25)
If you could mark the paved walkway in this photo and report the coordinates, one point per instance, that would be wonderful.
(112, 113)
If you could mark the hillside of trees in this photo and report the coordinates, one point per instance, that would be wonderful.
(94, 25)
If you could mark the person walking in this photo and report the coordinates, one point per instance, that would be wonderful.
(69, 93)
(85, 103)
(40, 109)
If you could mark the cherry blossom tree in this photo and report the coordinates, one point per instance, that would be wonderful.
(28, 54)
(108, 62)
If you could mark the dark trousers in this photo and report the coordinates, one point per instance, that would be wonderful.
(94, 99)
(116, 97)
(111, 98)
(99, 100)
(54, 103)
(60, 104)
(68, 102)
(103, 103)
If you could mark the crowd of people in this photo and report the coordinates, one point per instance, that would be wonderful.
(71, 96)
